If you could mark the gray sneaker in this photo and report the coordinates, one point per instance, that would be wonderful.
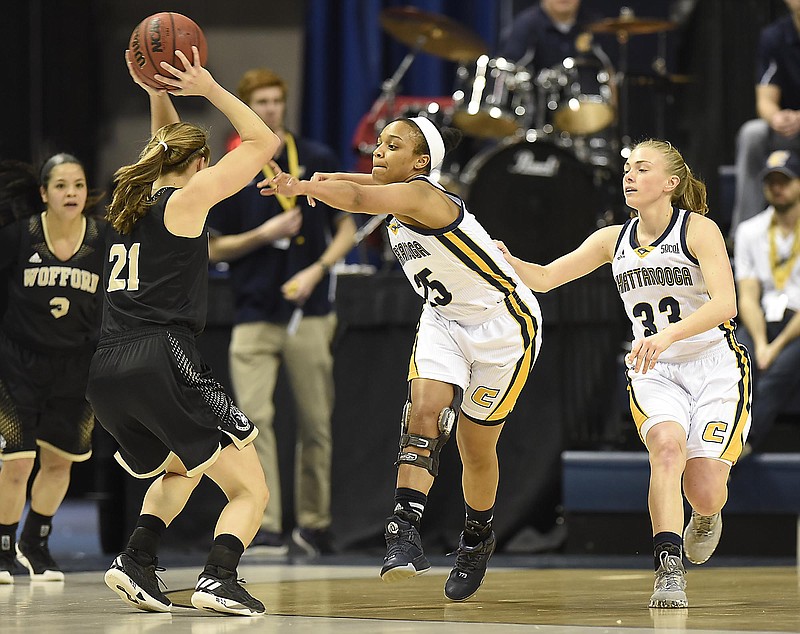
(701, 536)
(670, 585)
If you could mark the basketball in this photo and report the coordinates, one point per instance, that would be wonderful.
(155, 40)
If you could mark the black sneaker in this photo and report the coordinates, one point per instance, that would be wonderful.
(404, 556)
(314, 541)
(136, 584)
(37, 559)
(7, 563)
(218, 590)
(267, 543)
(470, 568)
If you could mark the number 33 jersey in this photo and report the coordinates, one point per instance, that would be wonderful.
(457, 269)
(661, 284)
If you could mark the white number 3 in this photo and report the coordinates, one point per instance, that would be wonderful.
(59, 306)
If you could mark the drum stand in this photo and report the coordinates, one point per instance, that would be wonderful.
(387, 99)
(389, 86)
(660, 68)
(622, 82)
(623, 27)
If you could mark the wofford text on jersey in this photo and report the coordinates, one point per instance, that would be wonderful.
(61, 276)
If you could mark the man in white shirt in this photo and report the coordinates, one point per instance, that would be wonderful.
(767, 269)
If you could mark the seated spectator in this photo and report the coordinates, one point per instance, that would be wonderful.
(778, 109)
(768, 284)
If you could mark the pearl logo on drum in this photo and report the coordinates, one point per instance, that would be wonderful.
(526, 164)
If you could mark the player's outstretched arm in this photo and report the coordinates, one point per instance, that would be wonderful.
(596, 250)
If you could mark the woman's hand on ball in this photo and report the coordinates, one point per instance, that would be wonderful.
(194, 80)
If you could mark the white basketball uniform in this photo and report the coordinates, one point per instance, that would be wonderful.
(702, 382)
(480, 326)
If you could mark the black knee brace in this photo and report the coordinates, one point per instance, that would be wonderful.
(447, 418)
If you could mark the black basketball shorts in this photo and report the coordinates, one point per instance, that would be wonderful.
(43, 402)
(153, 393)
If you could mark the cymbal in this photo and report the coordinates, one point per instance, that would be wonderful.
(631, 25)
(432, 33)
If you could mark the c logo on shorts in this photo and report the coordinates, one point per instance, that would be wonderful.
(715, 431)
(484, 396)
(241, 421)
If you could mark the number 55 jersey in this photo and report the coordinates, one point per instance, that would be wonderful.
(457, 270)
(480, 326)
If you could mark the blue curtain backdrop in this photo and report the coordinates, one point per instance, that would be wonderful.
(349, 55)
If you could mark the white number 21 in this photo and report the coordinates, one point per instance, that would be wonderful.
(122, 257)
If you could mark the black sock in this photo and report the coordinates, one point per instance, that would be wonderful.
(411, 503)
(37, 528)
(477, 525)
(8, 537)
(144, 541)
(224, 556)
(671, 543)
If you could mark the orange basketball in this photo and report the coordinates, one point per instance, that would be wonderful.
(156, 39)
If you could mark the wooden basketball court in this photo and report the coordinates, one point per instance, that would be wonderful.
(343, 598)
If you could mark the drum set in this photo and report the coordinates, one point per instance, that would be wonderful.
(549, 145)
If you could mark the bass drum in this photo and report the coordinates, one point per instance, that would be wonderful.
(537, 198)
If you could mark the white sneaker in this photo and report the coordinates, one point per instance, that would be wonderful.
(669, 589)
(701, 536)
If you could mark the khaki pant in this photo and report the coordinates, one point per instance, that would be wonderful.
(256, 352)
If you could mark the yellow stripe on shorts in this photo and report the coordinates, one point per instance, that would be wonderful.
(735, 444)
(413, 371)
(639, 415)
(528, 330)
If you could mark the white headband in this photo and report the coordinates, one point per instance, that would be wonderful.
(433, 138)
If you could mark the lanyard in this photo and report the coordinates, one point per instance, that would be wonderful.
(287, 202)
(781, 270)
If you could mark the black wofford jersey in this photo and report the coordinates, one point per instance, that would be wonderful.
(155, 278)
(52, 305)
